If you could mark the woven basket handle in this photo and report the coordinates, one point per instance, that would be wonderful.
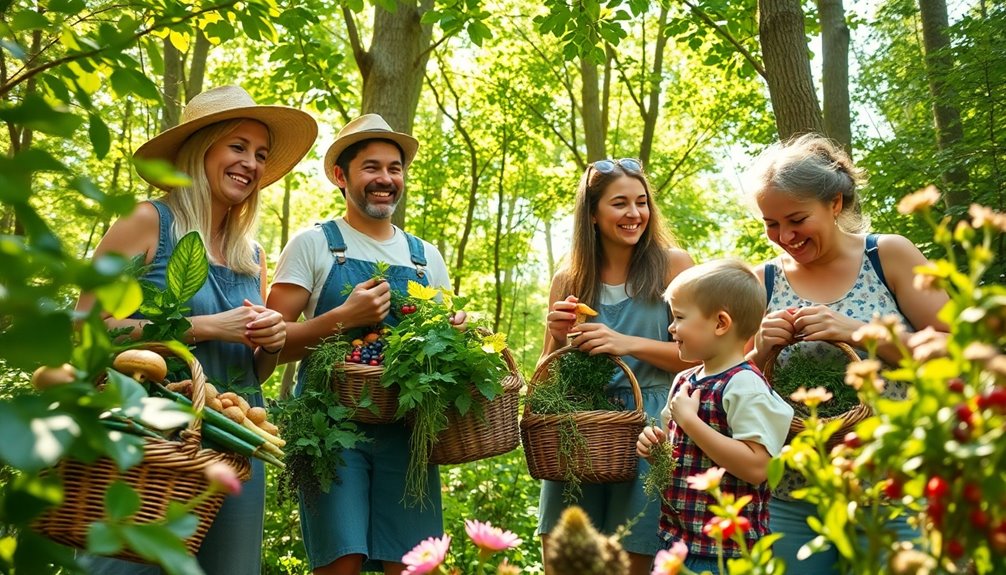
(542, 370)
(774, 354)
(192, 435)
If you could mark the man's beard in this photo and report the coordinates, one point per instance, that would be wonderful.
(378, 212)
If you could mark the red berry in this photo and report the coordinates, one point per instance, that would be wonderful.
(997, 541)
(979, 519)
(972, 493)
(955, 549)
(893, 489)
(956, 385)
(373, 362)
(961, 433)
(964, 413)
(937, 487)
(996, 399)
(852, 440)
(935, 512)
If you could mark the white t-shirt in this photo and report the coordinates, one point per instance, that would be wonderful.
(306, 260)
(754, 412)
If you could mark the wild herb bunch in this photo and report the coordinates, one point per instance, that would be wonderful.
(662, 466)
(316, 427)
(575, 382)
(803, 369)
(437, 368)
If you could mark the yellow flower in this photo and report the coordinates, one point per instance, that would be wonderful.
(421, 292)
(494, 343)
(811, 397)
(920, 200)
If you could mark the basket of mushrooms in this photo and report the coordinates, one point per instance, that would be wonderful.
(221, 428)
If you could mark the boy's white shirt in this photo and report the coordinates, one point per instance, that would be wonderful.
(754, 412)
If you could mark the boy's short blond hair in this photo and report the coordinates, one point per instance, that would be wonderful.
(723, 285)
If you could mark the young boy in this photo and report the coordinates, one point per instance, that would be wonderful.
(719, 413)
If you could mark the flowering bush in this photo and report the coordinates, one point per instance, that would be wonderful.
(936, 457)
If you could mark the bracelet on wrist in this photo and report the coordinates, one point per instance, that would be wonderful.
(263, 348)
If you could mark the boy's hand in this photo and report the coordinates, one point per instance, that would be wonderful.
(650, 437)
(685, 404)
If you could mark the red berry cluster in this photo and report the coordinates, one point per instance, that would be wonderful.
(367, 351)
(407, 308)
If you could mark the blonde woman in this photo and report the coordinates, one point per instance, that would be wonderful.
(230, 148)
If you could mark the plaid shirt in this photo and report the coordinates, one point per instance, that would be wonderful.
(684, 518)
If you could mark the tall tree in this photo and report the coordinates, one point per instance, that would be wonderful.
(947, 116)
(393, 66)
(787, 67)
(835, 71)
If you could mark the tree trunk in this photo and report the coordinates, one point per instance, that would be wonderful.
(197, 69)
(593, 120)
(549, 253)
(284, 224)
(393, 67)
(651, 111)
(947, 117)
(835, 72)
(787, 67)
(497, 266)
(172, 87)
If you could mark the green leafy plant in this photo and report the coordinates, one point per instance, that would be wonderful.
(437, 368)
(316, 427)
(166, 309)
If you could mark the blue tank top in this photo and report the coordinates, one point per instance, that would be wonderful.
(640, 318)
(228, 365)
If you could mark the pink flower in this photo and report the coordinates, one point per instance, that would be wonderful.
(707, 481)
(669, 562)
(427, 556)
(223, 478)
(490, 539)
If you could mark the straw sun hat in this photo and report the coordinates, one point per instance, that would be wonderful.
(368, 127)
(292, 131)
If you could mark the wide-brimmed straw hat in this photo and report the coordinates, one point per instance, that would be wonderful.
(292, 131)
(368, 127)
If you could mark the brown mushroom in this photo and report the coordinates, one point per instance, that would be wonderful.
(46, 376)
(141, 365)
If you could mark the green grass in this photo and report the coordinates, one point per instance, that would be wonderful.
(804, 370)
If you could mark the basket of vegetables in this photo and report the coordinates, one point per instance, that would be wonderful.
(805, 369)
(357, 381)
(174, 463)
(570, 430)
(489, 427)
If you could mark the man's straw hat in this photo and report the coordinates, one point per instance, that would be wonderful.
(292, 131)
(368, 127)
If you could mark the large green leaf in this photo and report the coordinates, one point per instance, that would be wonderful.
(35, 113)
(97, 131)
(120, 298)
(37, 338)
(102, 539)
(187, 267)
(121, 501)
(32, 440)
(158, 543)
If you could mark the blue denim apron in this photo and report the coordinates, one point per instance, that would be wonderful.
(233, 544)
(363, 513)
(610, 505)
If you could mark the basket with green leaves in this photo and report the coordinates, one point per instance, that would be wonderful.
(803, 369)
(571, 430)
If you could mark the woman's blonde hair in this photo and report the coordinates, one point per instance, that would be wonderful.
(649, 265)
(192, 204)
(812, 166)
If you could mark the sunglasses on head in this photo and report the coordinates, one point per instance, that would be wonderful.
(629, 165)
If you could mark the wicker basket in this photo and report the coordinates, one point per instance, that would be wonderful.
(610, 436)
(169, 471)
(488, 429)
(849, 419)
(353, 381)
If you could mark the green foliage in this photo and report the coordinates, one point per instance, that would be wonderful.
(315, 426)
(437, 368)
(166, 309)
(662, 466)
(575, 382)
(803, 369)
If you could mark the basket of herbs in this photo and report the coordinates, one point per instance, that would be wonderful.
(805, 369)
(447, 377)
(571, 430)
(488, 426)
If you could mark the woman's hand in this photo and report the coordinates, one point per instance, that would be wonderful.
(230, 325)
(648, 439)
(598, 338)
(267, 330)
(561, 319)
(821, 323)
(777, 330)
(459, 320)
